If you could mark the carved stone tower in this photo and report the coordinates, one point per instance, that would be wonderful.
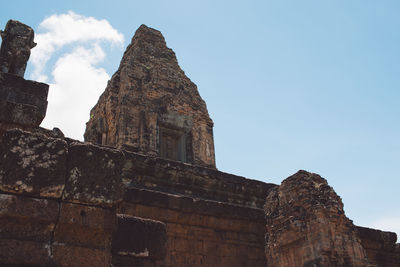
(150, 106)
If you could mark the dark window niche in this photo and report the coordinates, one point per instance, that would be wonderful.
(172, 144)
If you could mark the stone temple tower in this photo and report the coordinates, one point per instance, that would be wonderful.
(151, 107)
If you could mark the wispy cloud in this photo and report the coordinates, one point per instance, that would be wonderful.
(76, 79)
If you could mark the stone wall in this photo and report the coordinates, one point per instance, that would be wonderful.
(380, 246)
(306, 226)
(68, 203)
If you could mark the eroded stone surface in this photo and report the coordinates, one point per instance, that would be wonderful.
(306, 226)
(22, 102)
(77, 256)
(24, 253)
(32, 164)
(27, 218)
(381, 247)
(193, 181)
(16, 47)
(85, 226)
(151, 107)
(93, 175)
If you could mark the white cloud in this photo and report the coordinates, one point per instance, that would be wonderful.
(76, 79)
(387, 224)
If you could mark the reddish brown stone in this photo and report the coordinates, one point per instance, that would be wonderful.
(24, 253)
(151, 107)
(193, 181)
(381, 247)
(306, 226)
(75, 256)
(202, 232)
(27, 218)
(86, 226)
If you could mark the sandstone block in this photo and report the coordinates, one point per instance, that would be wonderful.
(381, 246)
(93, 175)
(139, 238)
(32, 164)
(22, 102)
(87, 226)
(193, 181)
(26, 218)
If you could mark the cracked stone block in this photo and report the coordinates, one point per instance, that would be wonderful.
(82, 225)
(93, 175)
(22, 101)
(139, 238)
(26, 218)
(32, 164)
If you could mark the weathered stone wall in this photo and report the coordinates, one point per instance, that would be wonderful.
(306, 226)
(63, 203)
(148, 97)
(380, 246)
(68, 203)
(202, 232)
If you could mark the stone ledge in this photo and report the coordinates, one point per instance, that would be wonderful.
(40, 164)
(12, 87)
(192, 205)
(377, 239)
(380, 246)
(22, 102)
(192, 180)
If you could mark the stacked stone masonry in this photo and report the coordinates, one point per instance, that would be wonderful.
(306, 226)
(150, 106)
(62, 201)
(131, 200)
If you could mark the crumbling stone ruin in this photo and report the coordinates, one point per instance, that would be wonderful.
(144, 191)
(23, 103)
(16, 47)
(151, 107)
(306, 225)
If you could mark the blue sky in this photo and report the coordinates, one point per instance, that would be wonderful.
(290, 85)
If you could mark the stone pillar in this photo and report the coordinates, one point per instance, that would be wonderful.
(23, 103)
